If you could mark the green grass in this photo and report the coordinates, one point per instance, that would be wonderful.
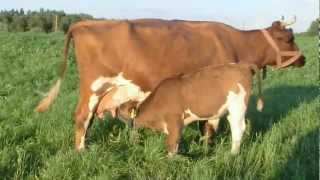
(279, 143)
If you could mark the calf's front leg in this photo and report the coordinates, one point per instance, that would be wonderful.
(173, 130)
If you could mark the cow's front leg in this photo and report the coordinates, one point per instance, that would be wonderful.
(83, 116)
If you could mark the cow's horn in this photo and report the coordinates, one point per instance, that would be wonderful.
(288, 23)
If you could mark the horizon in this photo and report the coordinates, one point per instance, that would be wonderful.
(244, 15)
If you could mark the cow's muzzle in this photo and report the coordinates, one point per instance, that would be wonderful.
(295, 59)
(300, 62)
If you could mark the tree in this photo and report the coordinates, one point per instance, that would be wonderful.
(37, 21)
(3, 27)
(314, 27)
(46, 23)
(19, 24)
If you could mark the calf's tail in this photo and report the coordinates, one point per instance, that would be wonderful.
(44, 104)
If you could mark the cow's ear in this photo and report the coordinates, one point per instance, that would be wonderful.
(277, 25)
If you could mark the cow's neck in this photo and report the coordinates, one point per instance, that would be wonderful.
(255, 49)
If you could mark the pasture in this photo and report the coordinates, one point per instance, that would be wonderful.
(281, 142)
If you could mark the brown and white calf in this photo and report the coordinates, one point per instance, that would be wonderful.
(207, 94)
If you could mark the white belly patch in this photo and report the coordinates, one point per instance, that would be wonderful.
(126, 89)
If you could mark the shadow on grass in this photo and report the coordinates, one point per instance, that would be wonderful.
(278, 102)
(303, 162)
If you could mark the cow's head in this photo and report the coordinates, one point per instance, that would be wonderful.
(288, 52)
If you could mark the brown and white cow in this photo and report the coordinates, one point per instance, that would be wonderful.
(130, 58)
(204, 95)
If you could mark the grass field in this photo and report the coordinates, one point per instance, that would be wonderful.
(282, 142)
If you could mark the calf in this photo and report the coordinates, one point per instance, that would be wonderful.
(203, 95)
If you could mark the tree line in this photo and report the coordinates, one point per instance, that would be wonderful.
(51, 20)
(314, 27)
(38, 21)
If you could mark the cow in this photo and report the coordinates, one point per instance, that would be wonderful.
(129, 58)
(206, 94)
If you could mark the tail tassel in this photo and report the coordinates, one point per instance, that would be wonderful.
(259, 104)
(46, 101)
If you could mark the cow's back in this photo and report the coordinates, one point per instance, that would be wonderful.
(149, 50)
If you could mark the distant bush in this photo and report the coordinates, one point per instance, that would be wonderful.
(36, 29)
(314, 27)
(38, 21)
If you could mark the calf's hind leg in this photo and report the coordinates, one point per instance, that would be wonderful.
(237, 105)
(238, 127)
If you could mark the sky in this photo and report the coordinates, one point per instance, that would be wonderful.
(244, 14)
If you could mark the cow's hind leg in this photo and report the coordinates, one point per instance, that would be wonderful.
(83, 116)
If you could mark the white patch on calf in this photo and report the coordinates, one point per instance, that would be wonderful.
(126, 89)
(193, 117)
(237, 108)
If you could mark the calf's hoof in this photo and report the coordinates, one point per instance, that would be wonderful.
(235, 148)
(171, 154)
(235, 151)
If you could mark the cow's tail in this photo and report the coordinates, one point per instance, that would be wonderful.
(259, 84)
(53, 92)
